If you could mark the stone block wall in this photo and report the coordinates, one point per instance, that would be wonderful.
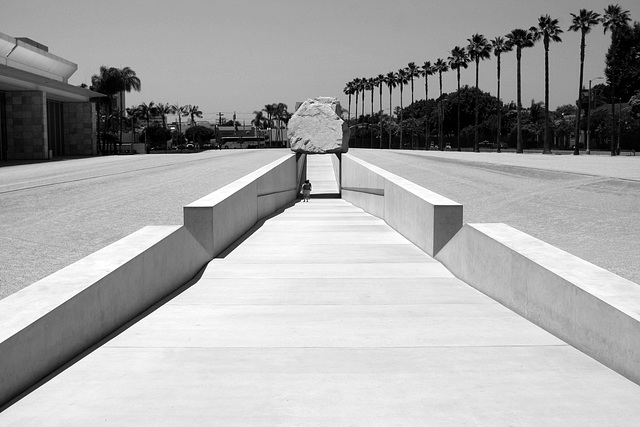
(27, 125)
(79, 128)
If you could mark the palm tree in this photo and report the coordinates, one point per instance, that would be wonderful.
(380, 80)
(390, 80)
(98, 84)
(413, 71)
(614, 18)
(582, 22)
(133, 114)
(259, 120)
(129, 81)
(479, 48)
(458, 60)
(270, 110)
(146, 112)
(363, 88)
(520, 39)
(111, 81)
(281, 114)
(441, 67)
(499, 46)
(427, 70)
(193, 111)
(357, 86)
(178, 110)
(348, 90)
(370, 84)
(162, 110)
(549, 31)
(402, 78)
(105, 82)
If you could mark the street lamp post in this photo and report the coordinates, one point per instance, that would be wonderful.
(589, 115)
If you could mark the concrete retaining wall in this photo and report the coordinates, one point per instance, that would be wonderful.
(53, 320)
(427, 219)
(337, 170)
(222, 217)
(48, 323)
(588, 307)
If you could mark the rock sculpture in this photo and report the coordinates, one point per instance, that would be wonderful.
(317, 127)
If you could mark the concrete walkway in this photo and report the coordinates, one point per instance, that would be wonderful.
(324, 315)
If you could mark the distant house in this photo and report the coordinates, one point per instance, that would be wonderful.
(41, 114)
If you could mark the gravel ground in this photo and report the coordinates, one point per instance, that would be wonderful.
(588, 206)
(55, 213)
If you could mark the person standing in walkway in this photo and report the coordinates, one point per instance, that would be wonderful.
(306, 191)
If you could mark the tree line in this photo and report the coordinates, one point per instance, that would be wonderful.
(277, 117)
(113, 118)
(435, 115)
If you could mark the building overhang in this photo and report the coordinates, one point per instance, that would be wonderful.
(13, 79)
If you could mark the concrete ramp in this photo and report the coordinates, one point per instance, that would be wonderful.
(324, 315)
(321, 173)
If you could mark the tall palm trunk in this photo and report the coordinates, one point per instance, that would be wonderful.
(458, 107)
(519, 148)
(412, 112)
(390, 114)
(546, 149)
(440, 113)
(476, 146)
(370, 129)
(349, 112)
(363, 91)
(355, 129)
(380, 115)
(499, 108)
(426, 112)
(576, 149)
(401, 130)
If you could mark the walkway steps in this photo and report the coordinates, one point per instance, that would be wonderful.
(325, 316)
(320, 173)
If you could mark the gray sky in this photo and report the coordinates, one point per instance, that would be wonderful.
(238, 55)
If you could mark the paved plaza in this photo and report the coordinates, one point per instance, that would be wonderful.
(55, 213)
(586, 205)
(324, 315)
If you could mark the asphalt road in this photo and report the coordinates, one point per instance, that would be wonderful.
(55, 213)
(588, 206)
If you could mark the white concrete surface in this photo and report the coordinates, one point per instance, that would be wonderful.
(46, 324)
(324, 315)
(427, 219)
(321, 174)
(591, 308)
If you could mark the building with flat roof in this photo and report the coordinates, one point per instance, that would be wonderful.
(41, 114)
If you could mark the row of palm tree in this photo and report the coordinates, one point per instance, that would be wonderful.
(277, 115)
(148, 111)
(479, 48)
(111, 81)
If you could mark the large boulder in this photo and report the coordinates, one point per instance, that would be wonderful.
(317, 127)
